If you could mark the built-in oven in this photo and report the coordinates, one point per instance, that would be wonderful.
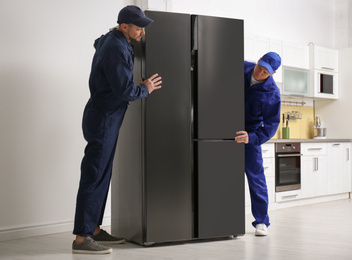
(287, 166)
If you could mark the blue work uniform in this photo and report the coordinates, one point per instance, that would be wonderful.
(262, 118)
(111, 88)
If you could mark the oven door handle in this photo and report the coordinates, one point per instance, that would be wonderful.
(289, 155)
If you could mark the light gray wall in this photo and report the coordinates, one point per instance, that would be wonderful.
(45, 57)
(46, 50)
(298, 21)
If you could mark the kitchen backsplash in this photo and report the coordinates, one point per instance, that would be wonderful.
(300, 123)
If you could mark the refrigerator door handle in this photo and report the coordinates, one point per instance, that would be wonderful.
(194, 34)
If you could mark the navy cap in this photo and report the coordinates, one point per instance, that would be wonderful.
(271, 61)
(133, 14)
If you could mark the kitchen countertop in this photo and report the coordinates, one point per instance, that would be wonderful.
(317, 140)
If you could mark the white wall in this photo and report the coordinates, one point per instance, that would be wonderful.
(334, 114)
(45, 57)
(298, 21)
(46, 50)
(343, 24)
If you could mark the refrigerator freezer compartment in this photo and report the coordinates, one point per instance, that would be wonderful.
(220, 183)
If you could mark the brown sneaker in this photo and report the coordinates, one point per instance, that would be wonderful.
(104, 237)
(89, 246)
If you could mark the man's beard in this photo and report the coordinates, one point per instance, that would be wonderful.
(138, 39)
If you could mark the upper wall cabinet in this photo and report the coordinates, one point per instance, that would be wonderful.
(276, 46)
(295, 82)
(296, 56)
(324, 72)
(308, 71)
(255, 47)
(324, 58)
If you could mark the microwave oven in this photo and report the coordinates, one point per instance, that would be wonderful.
(325, 84)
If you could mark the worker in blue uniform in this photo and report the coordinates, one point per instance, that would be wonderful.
(262, 118)
(111, 88)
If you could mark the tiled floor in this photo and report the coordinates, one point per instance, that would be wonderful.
(319, 231)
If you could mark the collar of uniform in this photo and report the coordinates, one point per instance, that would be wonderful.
(122, 37)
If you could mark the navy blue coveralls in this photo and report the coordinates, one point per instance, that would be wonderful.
(111, 88)
(262, 118)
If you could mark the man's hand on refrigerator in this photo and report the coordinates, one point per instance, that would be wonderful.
(152, 83)
(242, 137)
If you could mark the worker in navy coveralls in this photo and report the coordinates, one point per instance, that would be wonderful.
(262, 118)
(111, 88)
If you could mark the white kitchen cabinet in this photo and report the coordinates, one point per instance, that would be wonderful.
(317, 77)
(276, 46)
(249, 49)
(346, 168)
(323, 72)
(284, 196)
(314, 170)
(296, 82)
(268, 153)
(295, 67)
(339, 167)
(324, 58)
(256, 46)
(268, 150)
(295, 55)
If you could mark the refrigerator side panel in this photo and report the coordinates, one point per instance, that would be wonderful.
(168, 175)
(220, 110)
(127, 172)
(221, 189)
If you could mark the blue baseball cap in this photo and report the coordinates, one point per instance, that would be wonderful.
(271, 61)
(133, 14)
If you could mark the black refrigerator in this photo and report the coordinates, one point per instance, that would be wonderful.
(178, 173)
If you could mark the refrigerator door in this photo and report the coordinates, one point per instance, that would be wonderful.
(220, 189)
(168, 170)
(219, 103)
(219, 113)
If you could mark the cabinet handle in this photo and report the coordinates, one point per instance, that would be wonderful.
(336, 144)
(315, 149)
(289, 155)
(289, 196)
(327, 68)
(317, 164)
(348, 153)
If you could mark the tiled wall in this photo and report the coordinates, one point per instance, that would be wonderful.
(299, 128)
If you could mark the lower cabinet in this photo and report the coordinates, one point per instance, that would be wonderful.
(339, 167)
(314, 170)
(325, 171)
(268, 152)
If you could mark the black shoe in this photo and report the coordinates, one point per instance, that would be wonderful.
(89, 246)
(104, 237)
